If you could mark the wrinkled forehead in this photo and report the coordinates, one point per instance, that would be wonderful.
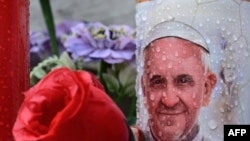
(172, 47)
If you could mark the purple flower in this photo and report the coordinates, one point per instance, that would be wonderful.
(40, 47)
(64, 28)
(95, 41)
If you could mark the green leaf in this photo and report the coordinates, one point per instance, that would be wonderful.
(111, 82)
(43, 68)
(67, 61)
(119, 67)
(111, 71)
(129, 90)
(38, 73)
(127, 76)
(79, 64)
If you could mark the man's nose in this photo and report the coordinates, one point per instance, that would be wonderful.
(170, 97)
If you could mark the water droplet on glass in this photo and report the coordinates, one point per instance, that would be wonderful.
(243, 107)
(159, 14)
(241, 46)
(176, 54)
(152, 97)
(208, 41)
(164, 94)
(222, 120)
(212, 124)
(141, 64)
(195, 105)
(164, 57)
(141, 37)
(170, 18)
(158, 49)
(194, 95)
(144, 18)
(148, 63)
(235, 102)
(235, 38)
(139, 93)
(160, 133)
(170, 65)
(168, 123)
(162, 19)
(158, 1)
(231, 48)
(222, 110)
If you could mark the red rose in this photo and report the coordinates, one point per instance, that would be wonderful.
(69, 106)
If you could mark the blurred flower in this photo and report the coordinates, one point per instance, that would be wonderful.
(95, 41)
(64, 28)
(40, 47)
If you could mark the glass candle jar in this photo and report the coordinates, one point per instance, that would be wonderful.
(14, 61)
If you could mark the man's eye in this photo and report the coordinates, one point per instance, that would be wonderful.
(157, 83)
(184, 79)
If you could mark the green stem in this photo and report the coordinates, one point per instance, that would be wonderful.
(47, 13)
(103, 68)
(118, 98)
(132, 109)
(132, 112)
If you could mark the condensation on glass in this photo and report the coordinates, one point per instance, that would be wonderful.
(221, 28)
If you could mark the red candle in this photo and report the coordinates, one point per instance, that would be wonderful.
(14, 61)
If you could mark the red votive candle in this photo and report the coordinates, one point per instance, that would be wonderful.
(14, 61)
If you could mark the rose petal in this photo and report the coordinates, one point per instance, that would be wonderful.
(67, 105)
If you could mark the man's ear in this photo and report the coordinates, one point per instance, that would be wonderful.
(209, 85)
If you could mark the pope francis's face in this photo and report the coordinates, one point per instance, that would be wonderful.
(175, 87)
